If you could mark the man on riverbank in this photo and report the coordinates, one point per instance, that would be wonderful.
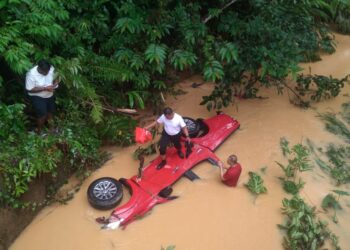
(41, 85)
(174, 126)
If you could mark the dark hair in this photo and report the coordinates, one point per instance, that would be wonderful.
(167, 111)
(44, 65)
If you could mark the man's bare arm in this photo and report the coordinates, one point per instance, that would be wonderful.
(40, 89)
(153, 124)
(185, 131)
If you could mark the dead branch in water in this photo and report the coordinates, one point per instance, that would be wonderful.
(115, 110)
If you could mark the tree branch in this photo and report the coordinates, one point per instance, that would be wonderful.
(115, 110)
(226, 6)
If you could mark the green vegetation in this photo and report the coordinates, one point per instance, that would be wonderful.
(336, 126)
(26, 155)
(140, 151)
(335, 159)
(255, 184)
(126, 55)
(297, 162)
(303, 229)
(316, 88)
(340, 15)
(171, 247)
(346, 112)
(330, 201)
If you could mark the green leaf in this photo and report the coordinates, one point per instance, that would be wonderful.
(256, 184)
(156, 53)
(213, 71)
(135, 96)
(284, 144)
(228, 52)
(96, 114)
(127, 24)
(330, 202)
(342, 193)
(181, 59)
(124, 55)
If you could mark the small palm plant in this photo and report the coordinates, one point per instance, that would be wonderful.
(297, 162)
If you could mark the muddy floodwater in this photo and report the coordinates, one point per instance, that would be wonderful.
(207, 214)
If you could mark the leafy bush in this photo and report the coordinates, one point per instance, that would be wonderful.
(291, 187)
(340, 15)
(317, 88)
(303, 229)
(26, 156)
(255, 184)
(336, 126)
(112, 55)
(297, 162)
(12, 120)
(330, 201)
(117, 129)
(270, 39)
(338, 155)
(337, 164)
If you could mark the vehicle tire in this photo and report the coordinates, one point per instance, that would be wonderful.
(192, 126)
(165, 192)
(203, 128)
(105, 193)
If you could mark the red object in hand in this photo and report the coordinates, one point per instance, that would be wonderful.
(232, 174)
(142, 135)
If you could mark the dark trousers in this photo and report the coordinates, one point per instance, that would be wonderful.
(43, 106)
(166, 139)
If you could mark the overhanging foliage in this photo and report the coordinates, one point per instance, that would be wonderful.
(119, 54)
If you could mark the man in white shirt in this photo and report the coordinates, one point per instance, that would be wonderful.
(173, 125)
(41, 86)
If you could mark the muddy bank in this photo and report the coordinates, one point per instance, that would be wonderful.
(41, 192)
(13, 221)
(208, 215)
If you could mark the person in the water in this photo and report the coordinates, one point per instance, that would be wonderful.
(230, 175)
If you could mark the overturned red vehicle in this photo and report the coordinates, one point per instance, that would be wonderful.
(153, 186)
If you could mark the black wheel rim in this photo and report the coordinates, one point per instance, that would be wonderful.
(105, 190)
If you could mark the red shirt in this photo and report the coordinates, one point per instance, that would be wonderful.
(232, 174)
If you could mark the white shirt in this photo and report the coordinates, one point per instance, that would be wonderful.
(173, 126)
(35, 79)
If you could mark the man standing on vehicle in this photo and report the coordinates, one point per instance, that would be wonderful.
(173, 126)
(41, 86)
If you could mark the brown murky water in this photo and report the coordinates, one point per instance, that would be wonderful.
(209, 215)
